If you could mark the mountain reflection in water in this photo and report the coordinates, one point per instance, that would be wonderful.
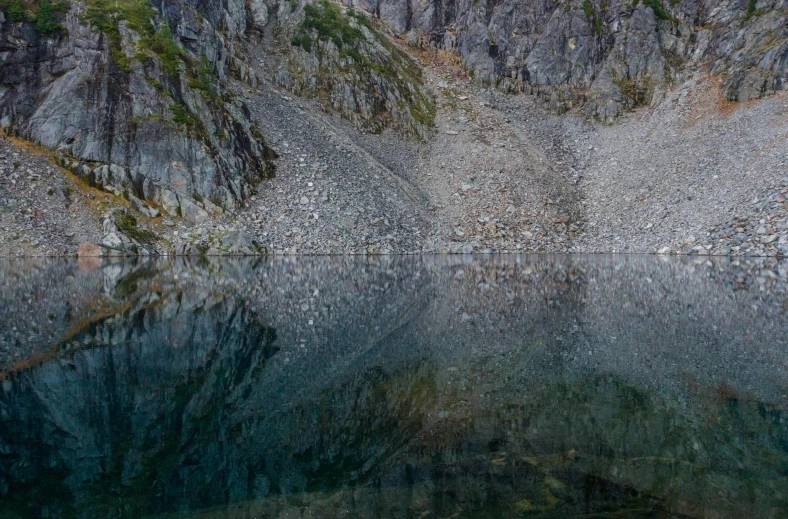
(394, 387)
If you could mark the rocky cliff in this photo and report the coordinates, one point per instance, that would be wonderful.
(608, 55)
(136, 97)
(135, 101)
(174, 109)
(343, 59)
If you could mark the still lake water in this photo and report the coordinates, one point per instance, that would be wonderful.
(394, 387)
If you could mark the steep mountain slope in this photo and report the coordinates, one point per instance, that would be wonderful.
(609, 55)
(134, 95)
(130, 108)
(397, 127)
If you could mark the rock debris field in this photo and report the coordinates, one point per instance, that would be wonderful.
(691, 174)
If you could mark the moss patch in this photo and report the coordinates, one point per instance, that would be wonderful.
(127, 224)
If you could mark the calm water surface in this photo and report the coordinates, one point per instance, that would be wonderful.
(394, 387)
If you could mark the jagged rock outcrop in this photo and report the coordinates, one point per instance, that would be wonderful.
(607, 54)
(134, 101)
(341, 58)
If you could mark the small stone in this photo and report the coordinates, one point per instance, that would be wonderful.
(664, 250)
(466, 187)
(769, 239)
(304, 200)
(452, 132)
(467, 248)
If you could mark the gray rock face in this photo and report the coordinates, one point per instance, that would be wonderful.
(161, 130)
(122, 237)
(353, 69)
(610, 55)
(232, 243)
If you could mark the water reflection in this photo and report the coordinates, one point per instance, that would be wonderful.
(394, 387)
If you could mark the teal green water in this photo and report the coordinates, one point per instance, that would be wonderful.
(394, 387)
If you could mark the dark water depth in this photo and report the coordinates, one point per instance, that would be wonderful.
(394, 387)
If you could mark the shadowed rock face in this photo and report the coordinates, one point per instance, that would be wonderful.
(127, 117)
(609, 54)
(397, 387)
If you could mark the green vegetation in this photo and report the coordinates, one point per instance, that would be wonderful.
(635, 93)
(325, 19)
(164, 46)
(592, 15)
(128, 226)
(325, 22)
(752, 10)
(46, 19)
(182, 115)
(16, 11)
(42, 12)
(202, 82)
(658, 8)
(105, 15)
(304, 41)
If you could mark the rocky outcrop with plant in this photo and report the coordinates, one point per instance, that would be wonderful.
(340, 57)
(134, 99)
(608, 55)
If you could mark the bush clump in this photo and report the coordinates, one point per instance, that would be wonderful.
(164, 46)
(203, 80)
(181, 115)
(105, 15)
(592, 15)
(16, 11)
(659, 10)
(42, 12)
(329, 24)
(752, 10)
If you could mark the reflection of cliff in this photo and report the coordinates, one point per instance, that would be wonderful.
(401, 388)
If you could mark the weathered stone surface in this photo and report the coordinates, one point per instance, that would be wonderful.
(233, 243)
(89, 250)
(368, 80)
(68, 92)
(123, 237)
(612, 53)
